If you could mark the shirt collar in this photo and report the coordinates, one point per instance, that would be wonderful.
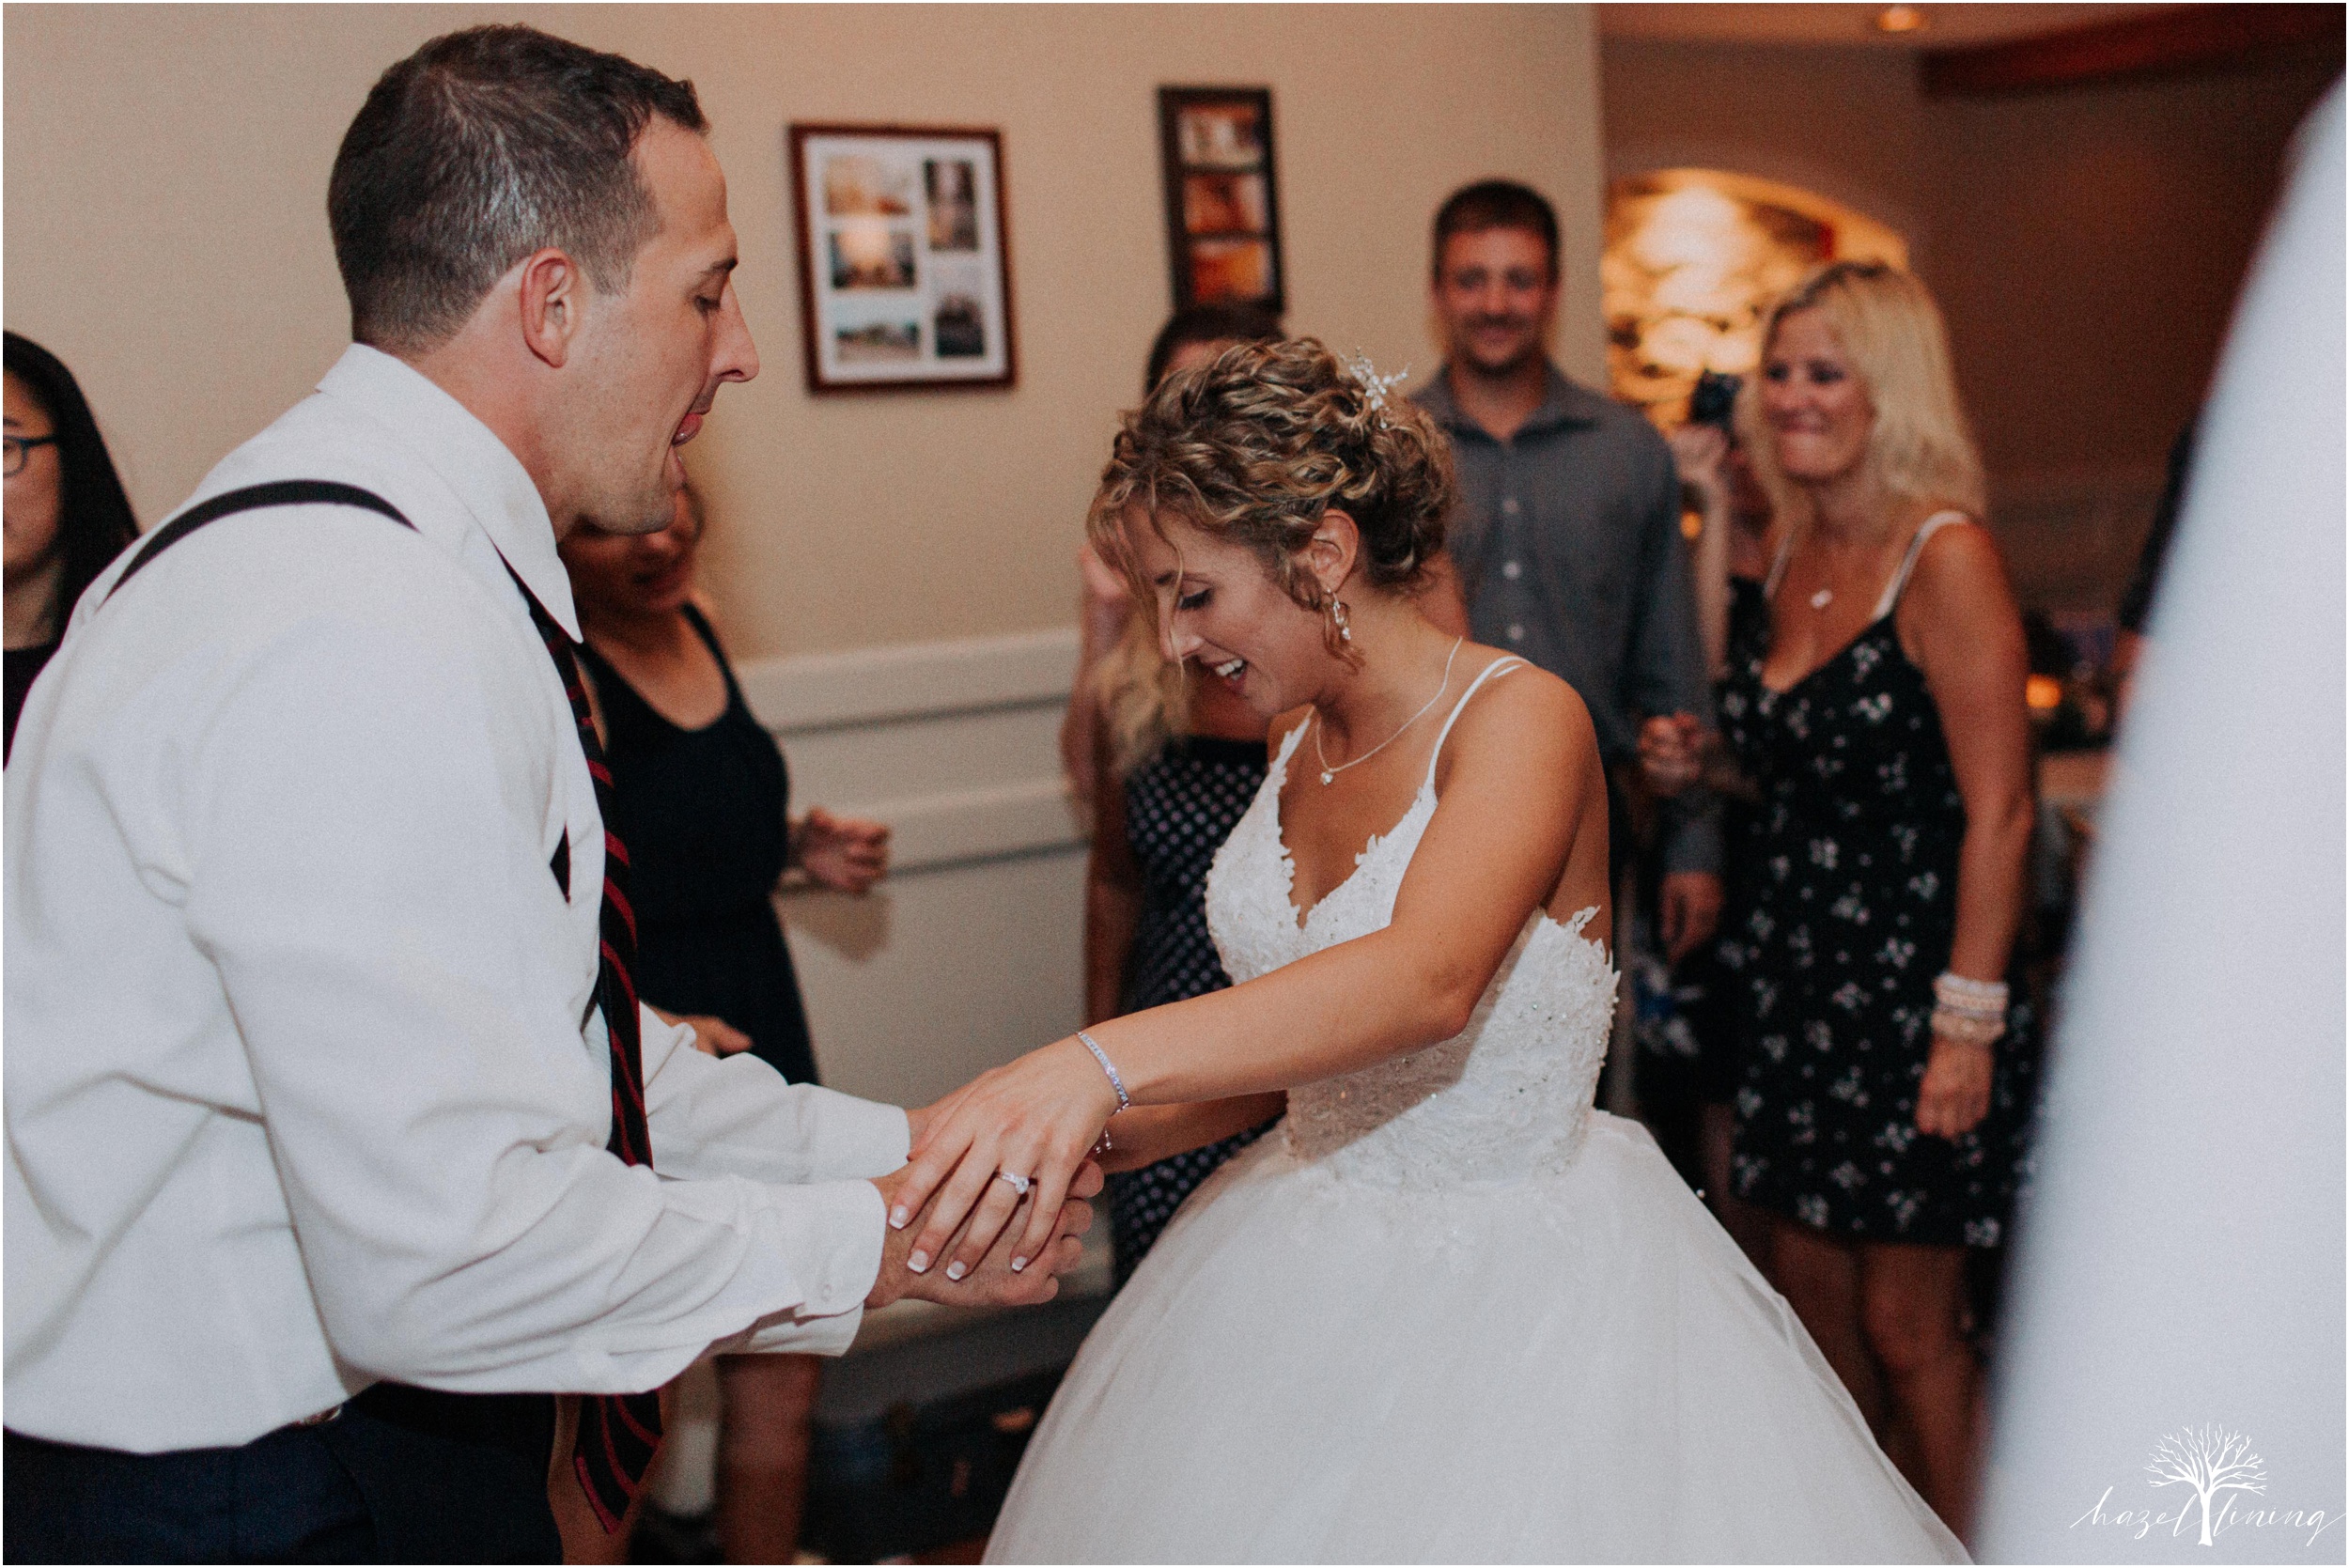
(1563, 405)
(446, 437)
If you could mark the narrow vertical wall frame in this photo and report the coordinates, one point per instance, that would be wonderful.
(1223, 196)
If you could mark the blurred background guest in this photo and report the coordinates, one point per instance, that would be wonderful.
(1877, 703)
(701, 796)
(1688, 1069)
(1569, 535)
(1182, 757)
(65, 514)
(2137, 600)
(1733, 544)
(1192, 336)
(1174, 760)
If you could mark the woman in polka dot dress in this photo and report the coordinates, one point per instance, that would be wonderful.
(1169, 765)
(1876, 705)
(1163, 806)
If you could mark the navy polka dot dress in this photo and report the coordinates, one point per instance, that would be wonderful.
(1180, 806)
(1847, 871)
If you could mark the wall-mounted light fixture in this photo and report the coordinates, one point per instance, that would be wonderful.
(1693, 257)
(1899, 19)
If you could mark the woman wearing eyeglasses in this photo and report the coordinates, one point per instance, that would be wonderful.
(65, 514)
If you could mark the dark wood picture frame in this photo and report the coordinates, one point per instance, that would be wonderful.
(1217, 161)
(876, 322)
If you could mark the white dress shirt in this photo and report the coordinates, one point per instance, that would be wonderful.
(297, 1092)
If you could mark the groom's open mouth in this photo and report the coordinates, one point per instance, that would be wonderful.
(687, 428)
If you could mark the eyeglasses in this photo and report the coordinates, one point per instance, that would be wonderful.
(17, 448)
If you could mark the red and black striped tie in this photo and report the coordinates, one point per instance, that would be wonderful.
(618, 1433)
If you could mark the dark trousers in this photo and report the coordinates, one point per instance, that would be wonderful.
(402, 1475)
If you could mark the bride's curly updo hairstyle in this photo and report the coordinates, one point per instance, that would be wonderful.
(1257, 443)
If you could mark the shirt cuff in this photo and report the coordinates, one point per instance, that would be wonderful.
(826, 1323)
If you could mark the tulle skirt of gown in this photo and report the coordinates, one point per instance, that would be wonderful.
(1580, 1366)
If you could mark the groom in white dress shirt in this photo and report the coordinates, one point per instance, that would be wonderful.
(303, 874)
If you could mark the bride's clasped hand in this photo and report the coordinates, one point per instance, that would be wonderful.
(1035, 1119)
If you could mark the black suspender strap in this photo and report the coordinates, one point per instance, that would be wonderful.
(297, 492)
(253, 498)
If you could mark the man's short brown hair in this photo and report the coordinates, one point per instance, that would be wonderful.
(1497, 204)
(477, 150)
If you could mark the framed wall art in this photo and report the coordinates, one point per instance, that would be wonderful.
(1222, 203)
(905, 264)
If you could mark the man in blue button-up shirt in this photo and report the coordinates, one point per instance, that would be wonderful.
(1568, 536)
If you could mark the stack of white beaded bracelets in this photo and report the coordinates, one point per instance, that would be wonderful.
(1973, 1012)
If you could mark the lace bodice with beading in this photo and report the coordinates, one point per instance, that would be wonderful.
(1506, 1098)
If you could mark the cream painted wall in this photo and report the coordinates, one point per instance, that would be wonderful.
(165, 178)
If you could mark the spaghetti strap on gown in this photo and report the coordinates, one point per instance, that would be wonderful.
(1448, 1311)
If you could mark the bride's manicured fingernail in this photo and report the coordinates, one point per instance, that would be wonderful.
(1019, 1264)
(897, 1218)
(919, 1262)
(956, 1271)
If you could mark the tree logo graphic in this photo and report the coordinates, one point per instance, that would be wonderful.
(2211, 1460)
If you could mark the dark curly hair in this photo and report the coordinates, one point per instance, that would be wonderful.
(1255, 445)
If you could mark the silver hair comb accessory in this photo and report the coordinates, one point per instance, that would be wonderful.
(1374, 386)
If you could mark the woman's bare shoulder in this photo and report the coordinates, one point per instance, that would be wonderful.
(1527, 711)
(1958, 555)
(1526, 691)
(1960, 572)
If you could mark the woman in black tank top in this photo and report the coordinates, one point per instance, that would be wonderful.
(699, 797)
(703, 814)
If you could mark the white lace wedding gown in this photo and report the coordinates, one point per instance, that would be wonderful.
(1450, 1312)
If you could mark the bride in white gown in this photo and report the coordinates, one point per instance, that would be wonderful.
(1449, 1312)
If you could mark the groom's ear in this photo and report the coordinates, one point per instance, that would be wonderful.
(1335, 545)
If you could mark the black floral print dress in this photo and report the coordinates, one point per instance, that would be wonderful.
(1847, 871)
(1180, 806)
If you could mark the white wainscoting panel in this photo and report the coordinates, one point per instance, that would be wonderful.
(969, 952)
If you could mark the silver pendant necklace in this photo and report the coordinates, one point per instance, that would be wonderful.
(1328, 772)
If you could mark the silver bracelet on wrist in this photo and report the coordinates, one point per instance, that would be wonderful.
(1103, 1057)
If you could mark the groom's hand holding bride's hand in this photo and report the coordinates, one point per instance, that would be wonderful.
(1036, 1118)
(989, 1279)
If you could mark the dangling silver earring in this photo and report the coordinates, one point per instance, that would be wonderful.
(1338, 620)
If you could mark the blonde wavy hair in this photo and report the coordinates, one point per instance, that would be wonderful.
(1143, 698)
(1920, 446)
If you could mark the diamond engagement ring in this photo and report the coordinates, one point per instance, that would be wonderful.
(1018, 1184)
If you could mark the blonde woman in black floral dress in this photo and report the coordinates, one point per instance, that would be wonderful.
(1878, 707)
